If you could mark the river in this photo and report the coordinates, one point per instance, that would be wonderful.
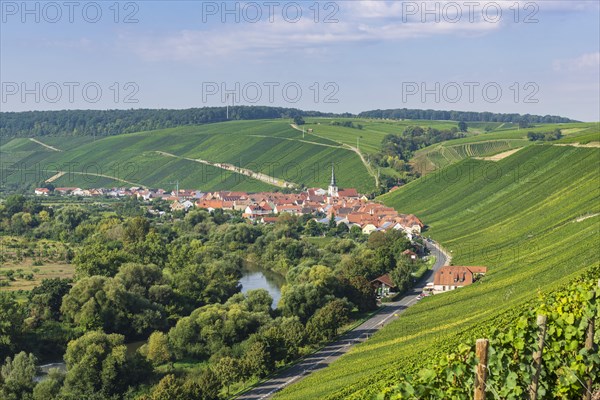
(256, 278)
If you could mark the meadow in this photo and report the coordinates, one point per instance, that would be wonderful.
(532, 218)
(24, 264)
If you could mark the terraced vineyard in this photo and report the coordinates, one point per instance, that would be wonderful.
(436, 157)
(503, 138)
(533, 219)
(272, 148)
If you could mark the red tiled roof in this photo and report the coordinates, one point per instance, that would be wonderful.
(385, 279)
(457, 275)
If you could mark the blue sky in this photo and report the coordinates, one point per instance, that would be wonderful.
(355, 56)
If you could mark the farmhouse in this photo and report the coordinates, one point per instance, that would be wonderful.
(42, 192)
(452, 277)
(383, 285)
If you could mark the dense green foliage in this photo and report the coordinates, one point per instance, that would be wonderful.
(397, 150)
(547, 136)
(115, 122)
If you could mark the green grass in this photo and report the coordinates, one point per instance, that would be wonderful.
(518, 217)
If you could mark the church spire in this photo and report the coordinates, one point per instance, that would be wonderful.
(333, 189)
(333, 183)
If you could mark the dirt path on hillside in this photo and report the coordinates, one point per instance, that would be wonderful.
(347, 146)
(298, 140)
(54, 177)
(44, 144)
(588, 145)
(583, 218)
(243, 171)
(499, 156)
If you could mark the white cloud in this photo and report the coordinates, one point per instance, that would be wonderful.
(305, 35)
(358, 22)
(585, 62)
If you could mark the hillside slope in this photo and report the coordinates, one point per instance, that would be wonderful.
(270, 147)
(532, 219)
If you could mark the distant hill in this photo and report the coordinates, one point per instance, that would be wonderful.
(115, 122)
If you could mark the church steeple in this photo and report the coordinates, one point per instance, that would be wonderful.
(332, 183)
(333, 189)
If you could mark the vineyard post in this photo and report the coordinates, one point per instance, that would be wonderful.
(589, 345)
(481, 351)
(537, 356)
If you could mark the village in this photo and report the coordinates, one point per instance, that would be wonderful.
(345, 206)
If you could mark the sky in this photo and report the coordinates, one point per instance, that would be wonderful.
(539, 57)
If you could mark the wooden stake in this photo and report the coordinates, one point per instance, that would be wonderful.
(589, 345)
(481, 351)
(537, 356)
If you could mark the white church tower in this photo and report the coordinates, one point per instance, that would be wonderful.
(333, 189)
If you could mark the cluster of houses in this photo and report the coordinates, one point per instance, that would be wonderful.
(346, 206)
(140, 193)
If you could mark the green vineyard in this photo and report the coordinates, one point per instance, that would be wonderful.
(567, 365)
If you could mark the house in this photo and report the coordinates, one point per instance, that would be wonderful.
(257, 210)
(410, 254)
(452, 277)
(368, 229)
(65, 190)
(177, 206)
(290, 209)
(349, 193)
(42, 192)
(383, 285)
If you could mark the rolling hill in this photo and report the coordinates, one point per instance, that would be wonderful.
(270, 152)
(532, 218)
(158, 158)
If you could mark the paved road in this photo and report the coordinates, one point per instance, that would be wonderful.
(335, 350)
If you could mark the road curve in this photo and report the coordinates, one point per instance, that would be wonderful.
(335, 350)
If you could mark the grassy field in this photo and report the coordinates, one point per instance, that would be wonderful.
(23, 264)
(533, 219)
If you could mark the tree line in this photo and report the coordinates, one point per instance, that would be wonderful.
(469, 116)
(397, 150)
